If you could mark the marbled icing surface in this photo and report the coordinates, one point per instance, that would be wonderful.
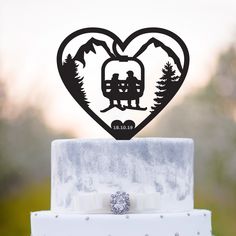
(93, 167)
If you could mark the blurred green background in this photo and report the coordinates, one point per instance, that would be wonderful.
(208, 116)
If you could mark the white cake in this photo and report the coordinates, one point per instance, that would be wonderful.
(157, 173)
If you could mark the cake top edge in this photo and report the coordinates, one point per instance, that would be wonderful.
(134, 140)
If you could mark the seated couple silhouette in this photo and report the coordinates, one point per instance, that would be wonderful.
(127, 89)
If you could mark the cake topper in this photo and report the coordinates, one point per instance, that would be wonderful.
(123, 85)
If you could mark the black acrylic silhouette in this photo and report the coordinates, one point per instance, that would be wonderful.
(133, 86)
(165, 85)
(119, 127)
(74, 83)
(90, 46)
(69, 70)
(126, 90)
(168, 50)
(114, 86)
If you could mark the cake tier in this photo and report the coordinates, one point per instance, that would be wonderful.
(156, 172)
(193, 223)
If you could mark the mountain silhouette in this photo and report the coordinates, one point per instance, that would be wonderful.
(90, 47)
(168, 50)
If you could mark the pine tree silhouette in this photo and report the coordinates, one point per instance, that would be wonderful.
(165, 85)
(70, 72)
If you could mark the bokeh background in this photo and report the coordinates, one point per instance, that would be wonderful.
(35, 107)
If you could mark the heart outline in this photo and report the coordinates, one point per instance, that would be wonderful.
(123, 45)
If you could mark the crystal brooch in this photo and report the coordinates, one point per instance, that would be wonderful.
(120, 203)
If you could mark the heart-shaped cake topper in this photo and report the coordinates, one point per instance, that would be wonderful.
(123, 85)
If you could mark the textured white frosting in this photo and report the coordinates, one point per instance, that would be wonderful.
(192, 223)
(156, 172)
